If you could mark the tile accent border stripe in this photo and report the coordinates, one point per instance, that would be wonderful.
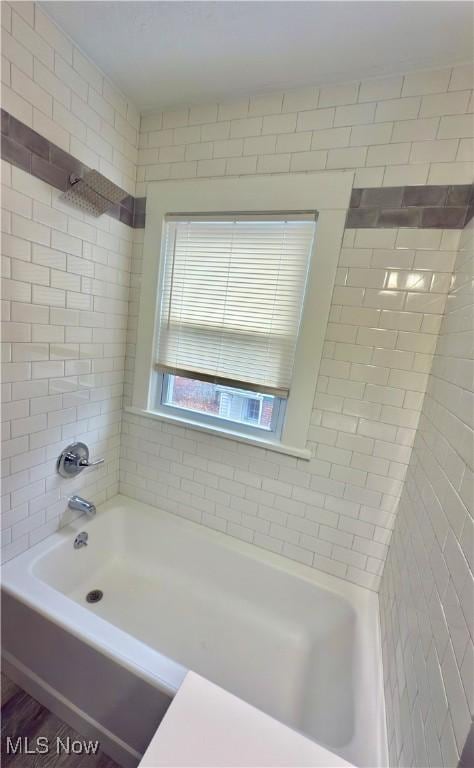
(432, 207)
(31, 152)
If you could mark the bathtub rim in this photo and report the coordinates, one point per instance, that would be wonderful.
(19, 580)
(116, 644)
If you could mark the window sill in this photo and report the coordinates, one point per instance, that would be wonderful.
(289, 450)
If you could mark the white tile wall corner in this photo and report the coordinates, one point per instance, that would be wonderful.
(49, 84)
(335, 512)
(65, 301)
(412, 129)
(427, 591)
(65, 282)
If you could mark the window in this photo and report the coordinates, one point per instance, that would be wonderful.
(217, 402)
(231, 296)
(253, 409)
(290, 370)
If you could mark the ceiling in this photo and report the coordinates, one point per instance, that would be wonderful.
(163, 54)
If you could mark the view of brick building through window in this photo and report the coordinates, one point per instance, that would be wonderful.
(231, 403)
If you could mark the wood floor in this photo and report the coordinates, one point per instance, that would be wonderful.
(23, 716)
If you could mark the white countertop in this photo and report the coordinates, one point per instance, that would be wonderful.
(207, 726)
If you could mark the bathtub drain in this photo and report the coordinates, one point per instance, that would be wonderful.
(94, 596)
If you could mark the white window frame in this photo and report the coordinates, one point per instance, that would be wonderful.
(326, 193)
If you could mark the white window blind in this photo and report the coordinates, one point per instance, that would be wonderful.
(232, 296)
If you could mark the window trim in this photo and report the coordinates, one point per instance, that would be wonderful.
(326, 193)
(238, 437)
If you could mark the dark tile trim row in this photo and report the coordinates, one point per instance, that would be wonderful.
(433, 207)
(31, 152)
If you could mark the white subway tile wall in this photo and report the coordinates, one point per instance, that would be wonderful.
(427, 591)
(51, 86)
(412, 129)
(65, 283)
(336, 511)
(64, 305)
(386, 311)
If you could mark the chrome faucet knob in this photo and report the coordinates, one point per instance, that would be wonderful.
(74, 459)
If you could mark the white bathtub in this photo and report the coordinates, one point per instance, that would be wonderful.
(300, 645)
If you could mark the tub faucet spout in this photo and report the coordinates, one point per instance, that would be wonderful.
(82, 505)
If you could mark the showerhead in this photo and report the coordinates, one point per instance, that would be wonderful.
(93, 193)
